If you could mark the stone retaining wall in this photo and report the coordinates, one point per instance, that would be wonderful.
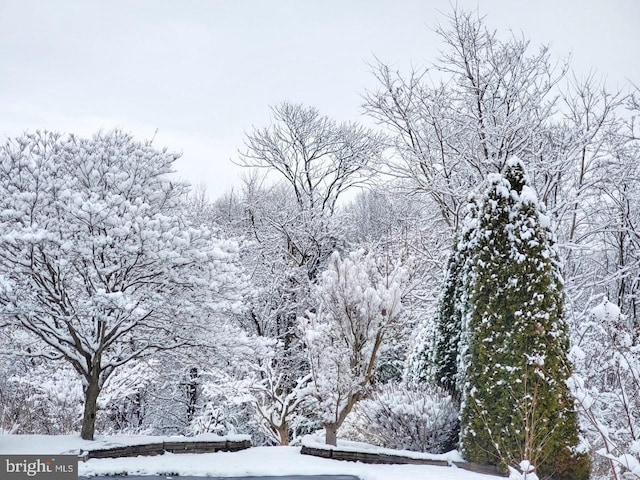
(378, 458)
(162, 447)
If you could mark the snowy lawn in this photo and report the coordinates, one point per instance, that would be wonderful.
(269, 461)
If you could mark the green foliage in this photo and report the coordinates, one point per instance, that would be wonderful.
(437, 355)
(452, 337)
(419, 365)
(517, 405)
(448, 327)
(434, 357)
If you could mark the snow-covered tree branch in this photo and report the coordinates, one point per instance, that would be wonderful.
(96, 261)
(358, 302)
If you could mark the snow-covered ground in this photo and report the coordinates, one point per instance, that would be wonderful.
(270, 461)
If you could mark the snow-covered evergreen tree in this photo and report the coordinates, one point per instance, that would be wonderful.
(517, 405)
(441, 343)
(449, 326)
(435, 350)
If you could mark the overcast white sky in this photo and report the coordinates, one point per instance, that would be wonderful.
(203, 72)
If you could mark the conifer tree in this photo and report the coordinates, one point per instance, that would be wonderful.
(433, 359)
(419, 366)
(516, 404)
(436, 357)
(452, 339)
(448, 323)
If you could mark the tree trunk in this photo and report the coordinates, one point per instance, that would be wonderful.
(91, 403)
(283, 433)
(192, 393)
(331, 437)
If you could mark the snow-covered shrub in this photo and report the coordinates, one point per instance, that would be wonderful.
(212, 418)
(415, 417)
(37, 396)
(226, 407)
(229, 418)
(126, 404)
(524, 471)
(45, 399)
(14, 414)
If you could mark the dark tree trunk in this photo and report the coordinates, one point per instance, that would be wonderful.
(91, 403)
(139, 407)
(192, 393)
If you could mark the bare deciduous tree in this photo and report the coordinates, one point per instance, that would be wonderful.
(481, 102)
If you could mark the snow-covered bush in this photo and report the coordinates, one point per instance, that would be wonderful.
(125, 403)
(225, 407)
(524, 471)
(46, 398)
(417, 417)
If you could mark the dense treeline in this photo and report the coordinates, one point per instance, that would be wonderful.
(130, 303)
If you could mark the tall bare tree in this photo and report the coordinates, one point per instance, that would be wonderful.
(310, 161)
(459, 119)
